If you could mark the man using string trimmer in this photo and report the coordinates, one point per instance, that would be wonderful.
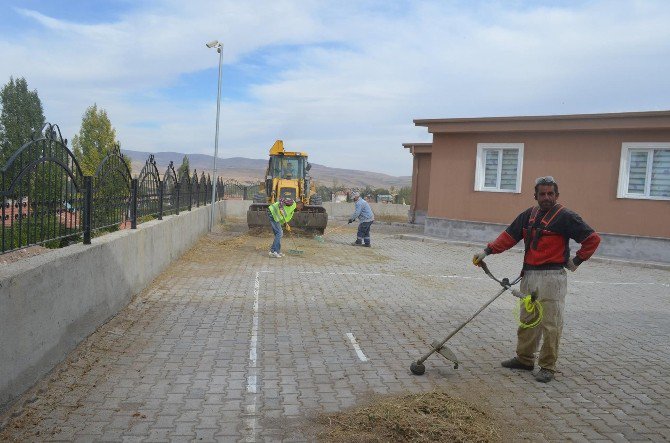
(546, 230)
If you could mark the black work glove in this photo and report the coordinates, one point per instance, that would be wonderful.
(351, 220)
(571, 265)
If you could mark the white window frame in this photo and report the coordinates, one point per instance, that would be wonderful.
(624, 167)
(481, 163)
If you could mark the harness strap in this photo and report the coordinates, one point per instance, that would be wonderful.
(532, 238)
(551, 214)
(529, 229)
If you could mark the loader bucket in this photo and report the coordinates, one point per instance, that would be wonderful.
(311, 219)
(257, 216)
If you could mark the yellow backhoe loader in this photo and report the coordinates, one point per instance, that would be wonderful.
(287, 175)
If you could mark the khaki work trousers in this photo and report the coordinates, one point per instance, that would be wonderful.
(551, 287)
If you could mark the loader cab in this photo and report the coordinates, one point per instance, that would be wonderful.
(288, 168)
(285, 167)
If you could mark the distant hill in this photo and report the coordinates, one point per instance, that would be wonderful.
(252, 170)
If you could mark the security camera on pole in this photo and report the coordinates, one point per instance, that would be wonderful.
(219, 49)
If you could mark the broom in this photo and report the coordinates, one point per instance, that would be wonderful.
(294, 251)
(320, 238)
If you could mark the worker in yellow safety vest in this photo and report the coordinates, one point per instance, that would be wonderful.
(281, 212)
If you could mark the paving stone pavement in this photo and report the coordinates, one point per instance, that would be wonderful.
(230, 345)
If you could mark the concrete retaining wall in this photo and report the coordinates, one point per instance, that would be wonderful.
(381, 210)
(51, 302)
(648, 249)
(238, 209)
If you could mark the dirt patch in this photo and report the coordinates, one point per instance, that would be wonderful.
(11, 257)
(391, 218)
(432, 416)
(64, 390)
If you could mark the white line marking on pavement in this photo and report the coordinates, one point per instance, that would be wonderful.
(616, 283)
(357, 348)
(252, 378)
(465, 277)
(254, 330)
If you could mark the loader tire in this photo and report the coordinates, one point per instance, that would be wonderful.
(260, 198)
(315, 200)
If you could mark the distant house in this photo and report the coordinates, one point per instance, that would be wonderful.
(13, 210)
(384, 198)
(613, 169)
(339, 197)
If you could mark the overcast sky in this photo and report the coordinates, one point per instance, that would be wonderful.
(342, 80)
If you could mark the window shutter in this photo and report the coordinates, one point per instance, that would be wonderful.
(491, 169)
(660, 174)
(510, 160)
(637, 172)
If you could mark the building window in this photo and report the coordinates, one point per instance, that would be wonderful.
(498, 167)
(644, 171)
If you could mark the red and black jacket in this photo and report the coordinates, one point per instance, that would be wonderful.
(546, 236)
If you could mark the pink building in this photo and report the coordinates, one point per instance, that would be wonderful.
(613, 169)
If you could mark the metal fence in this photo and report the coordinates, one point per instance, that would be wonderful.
(43, 193)
(47, 200)
(112, 190)
(234, 190)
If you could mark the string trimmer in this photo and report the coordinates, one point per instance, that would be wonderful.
(418, 367)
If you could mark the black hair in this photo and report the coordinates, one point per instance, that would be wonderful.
(545, 184)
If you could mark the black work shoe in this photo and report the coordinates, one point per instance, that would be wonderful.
(514, 363)
(357, 244)
(544, 376)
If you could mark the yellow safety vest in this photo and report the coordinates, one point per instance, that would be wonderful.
(283, 215)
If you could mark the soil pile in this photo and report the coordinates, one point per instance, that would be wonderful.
(427, 417)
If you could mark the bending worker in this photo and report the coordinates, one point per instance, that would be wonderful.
(364, 214)
(281, 212)
(546, 230)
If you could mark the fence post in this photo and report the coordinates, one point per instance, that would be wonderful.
(176, 189)
(88, 208)
(160, 200)
(244, 193)
(133, 204)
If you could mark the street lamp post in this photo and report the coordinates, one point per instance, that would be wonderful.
(219, 49)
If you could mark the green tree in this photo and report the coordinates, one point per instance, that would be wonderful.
(404, 195)
(184, 168)
(368, 190)
(325, 192)
(95, 140)
(22, 115)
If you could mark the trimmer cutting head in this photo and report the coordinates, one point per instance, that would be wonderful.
(417, 367)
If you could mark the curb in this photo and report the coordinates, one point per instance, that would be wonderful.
(595, 258)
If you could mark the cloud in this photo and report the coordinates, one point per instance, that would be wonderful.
(341, 81)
